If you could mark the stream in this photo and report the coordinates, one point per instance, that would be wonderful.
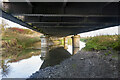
(24, 67)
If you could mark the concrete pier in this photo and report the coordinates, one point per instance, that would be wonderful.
(44, 46)
(75, 50)
(75, 43)
(65, 43)
(44, 41)
(44, 52)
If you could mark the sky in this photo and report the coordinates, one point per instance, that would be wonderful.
(12, 24)
(107, 31)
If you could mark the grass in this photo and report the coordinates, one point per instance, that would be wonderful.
(103, 42)
(14, 42)
(26, 41)
(84, 39)
(20, 38)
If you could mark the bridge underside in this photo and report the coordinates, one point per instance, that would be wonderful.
(65, 18)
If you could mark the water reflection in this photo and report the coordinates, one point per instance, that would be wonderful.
(5, 68)
(23, 64)
(75, 50)
(55, 56)
(44, 51)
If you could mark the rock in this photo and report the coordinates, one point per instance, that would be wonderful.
(89, 67)
(82, 58)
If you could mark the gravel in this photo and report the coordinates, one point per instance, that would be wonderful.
(84, 64)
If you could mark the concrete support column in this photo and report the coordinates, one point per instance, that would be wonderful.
(75, 50)
(75, 44)
(65, 43)
(44, 41)
(44, 52)
(75, 41)
(44, 46)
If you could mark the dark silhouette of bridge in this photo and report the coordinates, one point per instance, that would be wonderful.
(63, 18)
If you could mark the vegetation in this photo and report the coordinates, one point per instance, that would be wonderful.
(22, 31)
(84, 39)
(18, 38)
(69, 41)
(2, 26)
(16, 43)
(103, 42)
(24, 54)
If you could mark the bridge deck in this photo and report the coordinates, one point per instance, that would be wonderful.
(66, 18)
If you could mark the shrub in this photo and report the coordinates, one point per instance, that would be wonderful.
(103, 42)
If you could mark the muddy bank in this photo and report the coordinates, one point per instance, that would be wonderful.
(83, 65)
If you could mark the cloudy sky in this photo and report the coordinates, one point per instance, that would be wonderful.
(107, 31)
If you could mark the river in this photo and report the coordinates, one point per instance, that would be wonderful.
(23, 68)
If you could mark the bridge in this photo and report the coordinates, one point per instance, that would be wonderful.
(62, 19)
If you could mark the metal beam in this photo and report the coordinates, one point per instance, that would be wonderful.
(64, 15)
(61, 19)
(16, 20)
(80, 8)
(65, 0)
(72, 22)
(71, 19)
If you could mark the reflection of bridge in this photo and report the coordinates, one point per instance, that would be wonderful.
(63, 18)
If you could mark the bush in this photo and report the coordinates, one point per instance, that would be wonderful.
(116, 45)
(103, 42)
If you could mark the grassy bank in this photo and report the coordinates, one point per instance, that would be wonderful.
(84, 39)
(11, 37)
(103, 42)
(15, 40)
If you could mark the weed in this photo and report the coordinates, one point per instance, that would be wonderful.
(103, 42)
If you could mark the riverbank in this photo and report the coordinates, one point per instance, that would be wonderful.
(83, 65)
(102, 42)
(16, 40)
